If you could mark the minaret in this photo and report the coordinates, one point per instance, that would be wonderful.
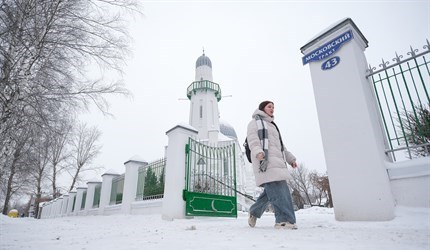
(204, 96)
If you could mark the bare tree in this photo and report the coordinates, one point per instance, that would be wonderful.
(59, 153)
(45, 49)
(325, 186)
(316, 189)
(40, 159)
(14, 167)
(85, 150)
(297, 198)
(300, 182)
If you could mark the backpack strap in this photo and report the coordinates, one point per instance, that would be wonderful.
(280, 137)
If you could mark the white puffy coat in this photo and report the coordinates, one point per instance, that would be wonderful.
(277, 164)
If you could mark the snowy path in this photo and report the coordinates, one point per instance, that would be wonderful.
(317, 230)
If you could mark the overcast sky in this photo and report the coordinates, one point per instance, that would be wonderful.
(254, 47)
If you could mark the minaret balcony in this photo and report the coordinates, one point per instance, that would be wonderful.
(204, 85)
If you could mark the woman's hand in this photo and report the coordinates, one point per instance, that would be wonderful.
(294, 164)
(260, 156)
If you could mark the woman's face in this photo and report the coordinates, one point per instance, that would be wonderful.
(269, 109)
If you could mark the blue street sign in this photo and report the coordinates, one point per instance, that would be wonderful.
(330, 63)
(328, 49)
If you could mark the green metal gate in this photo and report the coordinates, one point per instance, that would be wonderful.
(210, 180)
(402, 91)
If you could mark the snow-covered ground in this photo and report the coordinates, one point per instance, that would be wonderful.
(317, 230)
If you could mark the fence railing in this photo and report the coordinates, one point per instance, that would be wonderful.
(204, 85)
(150, 181)
(402, 93)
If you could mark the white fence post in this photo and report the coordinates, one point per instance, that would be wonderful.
(90, 194)
(64, 205)
(350, 126)
(173, 204)
(79, 195)
(60, 201)
(51, 208)
(130, 182)
(46, 209)
(72, 195)
(42, 211)
(106, 190)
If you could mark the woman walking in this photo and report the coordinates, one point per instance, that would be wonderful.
(269, 161)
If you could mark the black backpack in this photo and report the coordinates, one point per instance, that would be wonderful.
(247, 150)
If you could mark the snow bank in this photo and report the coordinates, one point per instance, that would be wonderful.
(317, 230)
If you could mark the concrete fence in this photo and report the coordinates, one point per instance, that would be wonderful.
(95, 198)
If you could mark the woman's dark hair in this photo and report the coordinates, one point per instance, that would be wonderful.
(263, 104)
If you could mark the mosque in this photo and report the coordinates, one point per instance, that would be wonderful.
(204, 95)
(218, 180)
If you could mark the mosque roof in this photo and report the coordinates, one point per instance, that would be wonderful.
(203, 60)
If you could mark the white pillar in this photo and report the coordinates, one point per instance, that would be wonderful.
(64, 205)
(173, 204)
(42, 211)
(72, 196)
(90, 194)
(54, 206)
(48, 209)
(106, 190)
(130, 182)
(60, 201)
(350, 126)
(45, 210)
(50, 205)
(79, 195)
